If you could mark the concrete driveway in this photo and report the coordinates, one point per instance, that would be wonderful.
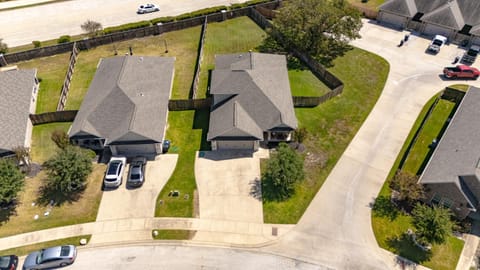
(228, 185)
(336, 229)
(123, 203)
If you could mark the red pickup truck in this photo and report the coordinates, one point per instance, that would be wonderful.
(461, 71)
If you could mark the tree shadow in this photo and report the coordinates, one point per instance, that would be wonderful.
(49, 195)
(6, 211)
(406, 248)
(383, 207)
(256, 189)
(201, 121)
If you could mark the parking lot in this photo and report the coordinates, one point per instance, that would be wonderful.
(124, 202)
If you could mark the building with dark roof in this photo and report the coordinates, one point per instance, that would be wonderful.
(452, 175)
(252, 101)
(18, 92)
(456, 19)
(126, 106)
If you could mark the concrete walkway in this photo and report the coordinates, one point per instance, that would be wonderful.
(120, 231)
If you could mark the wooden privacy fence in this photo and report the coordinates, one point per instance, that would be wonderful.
(189, 104)
(199, 60)
(68, 78)
(49, 117)
(157, 29)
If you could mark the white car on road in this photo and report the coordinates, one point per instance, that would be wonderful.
(147, 8)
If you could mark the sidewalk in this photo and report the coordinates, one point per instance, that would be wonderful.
(232, 233)
(21, 3)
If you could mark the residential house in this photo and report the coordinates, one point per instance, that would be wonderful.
(126, 107)
(452, 175)
(252, 101)
(18, 96)
(456, 19)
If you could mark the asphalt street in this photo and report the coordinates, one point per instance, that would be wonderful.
(45, 22)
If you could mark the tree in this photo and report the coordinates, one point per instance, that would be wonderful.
(409, 190)
(68, 170)
(22, 156)
(60, 138)
(300, 134)
(433, 224)
(11, 181)
(91, 27)
(321, 28)
(3, 46)
(284, 169)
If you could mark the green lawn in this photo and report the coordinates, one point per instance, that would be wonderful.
(389, 224)
(173, 234)
(331, 126)
(51, 70)
(183, 45)
(187, 131)
(33, 201)
(421, 152)
(304, 83)
(237, 35)
(24, 250)
(42, 146)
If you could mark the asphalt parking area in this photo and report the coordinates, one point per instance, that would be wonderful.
(228, 185)
(139, 202)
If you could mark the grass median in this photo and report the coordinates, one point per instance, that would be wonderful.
(25, 250)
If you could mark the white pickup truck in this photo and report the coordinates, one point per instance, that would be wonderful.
(437, 42)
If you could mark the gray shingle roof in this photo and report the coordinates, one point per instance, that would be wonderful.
(260, 95)
(448, 15)
(406, 8)
(458, 151)
(127, 99)
(16, 89)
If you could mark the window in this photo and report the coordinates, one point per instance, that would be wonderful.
(447, 203)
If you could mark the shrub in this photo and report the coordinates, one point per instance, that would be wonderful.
(3, 46)
(37, 44)
(64, 39)
(60, 138)
(162, 20)
(125, 27)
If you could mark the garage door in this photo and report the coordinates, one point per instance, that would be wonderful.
(136, 149)
(432, 30)
(392, 19)
(243, 145)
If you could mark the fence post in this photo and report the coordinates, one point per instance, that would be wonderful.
(3, 61)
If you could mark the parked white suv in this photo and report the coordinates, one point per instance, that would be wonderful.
(114, 174)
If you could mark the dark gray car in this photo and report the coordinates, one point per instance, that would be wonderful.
(51, 257)
(136, 174)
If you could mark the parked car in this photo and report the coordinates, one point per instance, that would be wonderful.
(58, 256)
(9, 262)
(114, 173)
(471, 55)
(136, 174)
(437, 42)
(461, 71)
(147, 8)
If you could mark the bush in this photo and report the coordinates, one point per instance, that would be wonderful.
(162, 20)
(37, 44)
(3, 46)
(60, 138)
(64, 39)
(124, 27)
